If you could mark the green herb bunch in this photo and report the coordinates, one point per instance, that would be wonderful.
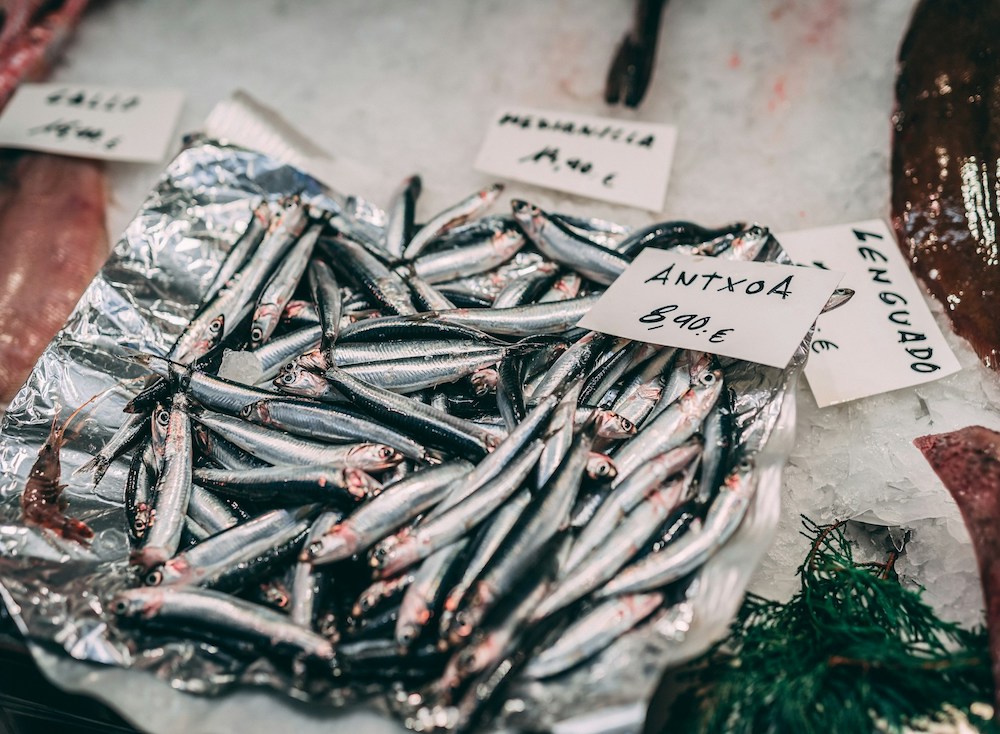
(852, 651)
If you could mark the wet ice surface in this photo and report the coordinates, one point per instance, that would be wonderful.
(783, 112)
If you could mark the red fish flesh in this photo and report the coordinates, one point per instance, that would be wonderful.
(53, 239)
(968, 463)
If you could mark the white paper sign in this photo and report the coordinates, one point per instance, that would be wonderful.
(89, 121)
(884, 338)
(621, 161)
(748, 310)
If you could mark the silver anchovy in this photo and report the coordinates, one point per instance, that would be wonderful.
(691, 550)
(220, 614)
(451, 217)
(592, 632)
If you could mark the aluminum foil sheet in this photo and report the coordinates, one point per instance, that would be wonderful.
(56, 590)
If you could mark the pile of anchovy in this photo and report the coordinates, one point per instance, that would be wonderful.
(426, 478)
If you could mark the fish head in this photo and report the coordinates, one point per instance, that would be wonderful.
(601, 466)
(142, 519)
(258, 412)
(406, 634)
(612, 425)
(265, 319)
(137, 603)
(175, 571)
(337, 543)
(374, 456)
(301, 382)
(160, 422)
(484, 380)
(529, 216)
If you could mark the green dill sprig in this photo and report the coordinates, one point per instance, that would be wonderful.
(852, 651)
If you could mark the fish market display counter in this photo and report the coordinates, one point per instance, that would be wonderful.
(782, 112)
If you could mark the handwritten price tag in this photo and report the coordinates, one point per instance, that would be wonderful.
(884, 338)
(91, 121)
(621, 161)
(754, 311)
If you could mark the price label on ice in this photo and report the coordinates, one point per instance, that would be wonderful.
(92, 122)
(621, 161)
(884, 338)
(754, 311)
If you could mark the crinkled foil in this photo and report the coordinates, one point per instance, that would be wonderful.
(56, 590)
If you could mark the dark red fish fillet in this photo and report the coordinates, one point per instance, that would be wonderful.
(945, 160)
(968, 463)
(53, 239)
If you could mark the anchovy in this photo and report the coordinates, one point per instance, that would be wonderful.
(172, 491)
(306, 580)
(329, 302)
(560, 435)
(565, 288)
(236, 299)
(404, 549)
(436, 427)
(490, 538)
(547, 514)
(238, 255)
(281, 448)
(460, 262)
(384, 285)
(501, 457)
(213, 558)
(617, 549)
(417, 373)
(670, 235)
(426, 296)
(330, 424)
(291, 483)
(400, 216)
(672, 427)
(571, 364)
(558, 243)
(213, 514)
(601, 231)
(222, 616)
(396, 505)
(400, 328)
(528, 287)
(643, 389)
(520, 321)
(420, 600)
(279, 350)
(450, 218)
(592, 632)
(692, 550)
(381, 591)
(278, 290)
(629, 493)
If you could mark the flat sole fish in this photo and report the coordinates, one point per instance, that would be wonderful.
(968, 464)
(945, 158)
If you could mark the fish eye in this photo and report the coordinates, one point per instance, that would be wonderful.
(215, 326)
(154, 577)
(247, 410)
(162, 417)
(708, 378)
(120, 606)
(288, 378)
(256, 334)
(386, 453)
(627, 424)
